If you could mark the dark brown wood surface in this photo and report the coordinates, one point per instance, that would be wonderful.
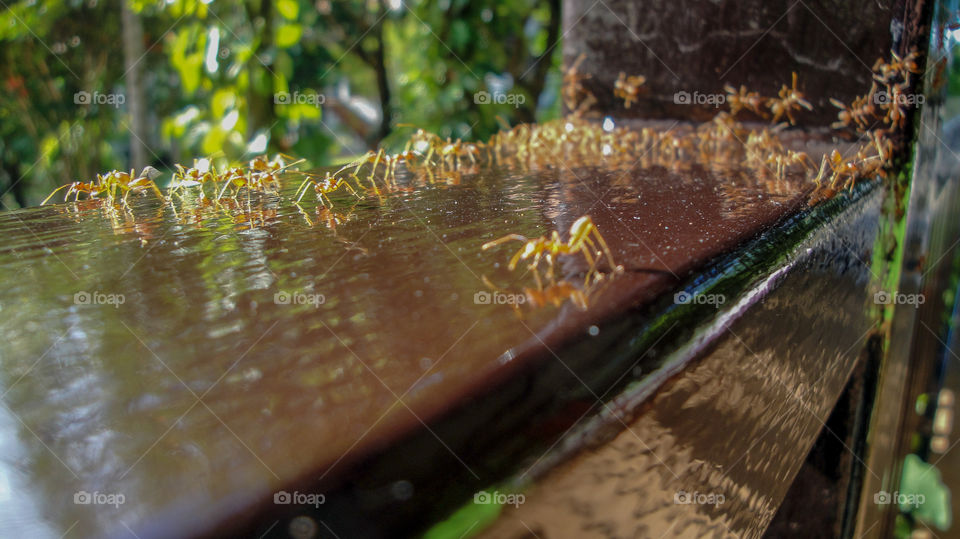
(698, 47)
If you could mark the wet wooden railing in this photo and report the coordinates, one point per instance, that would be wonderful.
(274, 369)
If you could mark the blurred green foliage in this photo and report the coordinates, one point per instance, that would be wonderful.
(319, 79)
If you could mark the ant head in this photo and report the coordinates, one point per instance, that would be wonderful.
(581, 227)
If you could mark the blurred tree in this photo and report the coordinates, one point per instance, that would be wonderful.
(133, 52)
(55, 58)
(231, 78)
(506, 49)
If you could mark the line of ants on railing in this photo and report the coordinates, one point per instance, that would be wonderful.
(575, 140)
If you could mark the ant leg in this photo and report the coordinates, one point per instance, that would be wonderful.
(224, 190)
(552, 275)
(304, 214)
(304, 186)
(393, 171)
(516, 259)
(349, 188)
(360, 162)
(376, 162)
(584, 247)
(535, 268)
(606, 250)
(156, 190)
(55, 192)
(509, 237)
(372, 183)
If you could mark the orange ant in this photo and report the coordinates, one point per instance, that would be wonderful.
(91, 189)
(261, 176)
(394, 160)
(841, 167)
(895, 105)
(790, 100)
(261, 164)
(898, 67)
(744, 100)
(859, 113)
(328, 184)
(628, 88)
(231, 177)
(547, 248)
(127, 182)
(424, 142)
(192, 177)
(573, 88)
(455, 150)
(110, 184)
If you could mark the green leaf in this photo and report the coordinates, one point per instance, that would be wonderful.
(923, 493)
(188, 64)
(467, 521)
(460, 35)
(280, 83)
(214, 141)
(221, 101)
(288, 8)
(288, 35)
(305, 111)
(283, 64)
